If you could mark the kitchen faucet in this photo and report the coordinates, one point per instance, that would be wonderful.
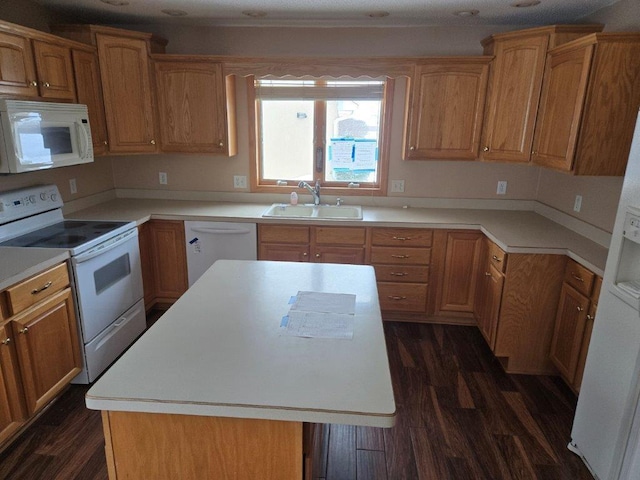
(314, 191)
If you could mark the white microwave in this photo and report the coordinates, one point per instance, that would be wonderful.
(41, 135)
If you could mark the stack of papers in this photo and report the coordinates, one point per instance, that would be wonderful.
(320, 315)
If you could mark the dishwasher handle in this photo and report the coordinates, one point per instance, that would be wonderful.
(220, 231)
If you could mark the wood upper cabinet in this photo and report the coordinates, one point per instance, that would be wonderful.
(55, 71)
(589, 105)
(89, 92)
(12, 411)
(514, 87)
(17, 66)
(128, 99)
(444, 119)
(458, 280)
(196, 106)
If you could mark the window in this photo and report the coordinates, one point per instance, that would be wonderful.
(329, 130)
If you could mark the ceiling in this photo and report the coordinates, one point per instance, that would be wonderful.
(327, 12)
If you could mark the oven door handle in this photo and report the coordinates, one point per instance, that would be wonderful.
(94, 252)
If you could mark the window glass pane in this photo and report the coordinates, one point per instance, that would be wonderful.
(286, 139)
(353, 130)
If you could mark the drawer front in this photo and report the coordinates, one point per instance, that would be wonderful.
(402, 273)
(400, 256)
(497, 257)
(283, 234)
(34, 289)
(340, 235)
(407, 237)
(579, 277)
(402, 297)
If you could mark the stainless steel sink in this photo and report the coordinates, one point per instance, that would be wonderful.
(325, 212)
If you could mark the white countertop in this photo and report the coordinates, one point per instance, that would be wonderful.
(18, 263)
(218, 352)
(514, 231)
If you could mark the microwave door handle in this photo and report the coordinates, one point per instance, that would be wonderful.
(84, 257)
(80, 130)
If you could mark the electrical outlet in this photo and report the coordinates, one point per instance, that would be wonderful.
(73, 187)
(397, 186)
(162, 177)
(577, 205)
(239, 181)
(502, 188)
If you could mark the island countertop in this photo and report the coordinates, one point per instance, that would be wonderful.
(219, 351)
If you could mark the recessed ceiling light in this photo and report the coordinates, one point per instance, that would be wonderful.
(526, 3)
(174, 12)
(467, 13)
(254, 13)
(378, 14)
(115, 3)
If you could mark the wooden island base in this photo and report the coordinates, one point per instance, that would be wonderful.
(186, 447)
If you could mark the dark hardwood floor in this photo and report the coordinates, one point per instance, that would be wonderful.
(459, 417)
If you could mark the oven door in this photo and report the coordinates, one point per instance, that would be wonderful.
(108, 282)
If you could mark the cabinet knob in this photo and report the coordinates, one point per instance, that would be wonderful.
(412, 148)
(105, 142)
(221, 144)
(304, 254)
(24, 330)
(35, 291)
(6, 341)
(580, 309)
(485, 149)
(495, 257)
(152, 142)
(317, 255)
(33, 83)
(589, 317)
(46, 84)
(487, 274)
(534, 153)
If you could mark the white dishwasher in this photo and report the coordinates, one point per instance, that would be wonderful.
(211, 241)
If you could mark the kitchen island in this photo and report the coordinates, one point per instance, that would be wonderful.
(215, 390)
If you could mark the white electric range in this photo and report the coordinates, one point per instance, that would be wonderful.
(105, 269)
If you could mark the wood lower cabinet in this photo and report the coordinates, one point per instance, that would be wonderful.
(163, 260)
(196, 105)
(39, 346)
(574, 322)
(489, 290)
(446, 109)
(589, 104)
(312, 244)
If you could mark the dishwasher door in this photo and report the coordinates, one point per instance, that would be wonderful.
(211, 241)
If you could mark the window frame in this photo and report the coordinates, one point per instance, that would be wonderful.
(259, 185)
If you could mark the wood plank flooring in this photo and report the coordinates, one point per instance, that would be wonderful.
(459, 417)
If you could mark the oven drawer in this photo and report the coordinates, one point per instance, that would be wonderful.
(34, 289)
(114, 340)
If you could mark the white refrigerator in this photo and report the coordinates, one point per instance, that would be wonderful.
(606, 428)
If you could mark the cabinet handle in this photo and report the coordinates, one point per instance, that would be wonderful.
(221, 144)
(589, 317)
(580, 309)
(485, 149)
(317, 255)
(24, 330)
(402, 239)
(6, 341)
(105, 142)
(534, 153)
(304, 254)
(42, 288)
(399, 274)
(487, 274)
(46, 84)
(396, 297)
(496, 258)
(412, 148)
(152, 142)
(580, 279)
(400, 256)
(33, 83)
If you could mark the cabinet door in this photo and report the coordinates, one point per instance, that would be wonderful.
(283, 252)
(561, 105)
(89, 92)
(192, 107)
(568, 332)
(17, 68)
(48, 348)
(128, 104)
(169, 259)
(488, 301)
(461, 268)
(446, 111)
(515, 87)
(55, 71)
(11, 406)
(349, 255)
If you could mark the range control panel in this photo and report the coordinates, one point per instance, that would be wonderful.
(17, 204)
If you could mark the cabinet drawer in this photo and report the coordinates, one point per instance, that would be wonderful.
(340, 235)
(283, 234)
(497, 257)
(579, 277)
(408, 237)
(402, 297)
(403, 256)
(402, 273)
(34, 289)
